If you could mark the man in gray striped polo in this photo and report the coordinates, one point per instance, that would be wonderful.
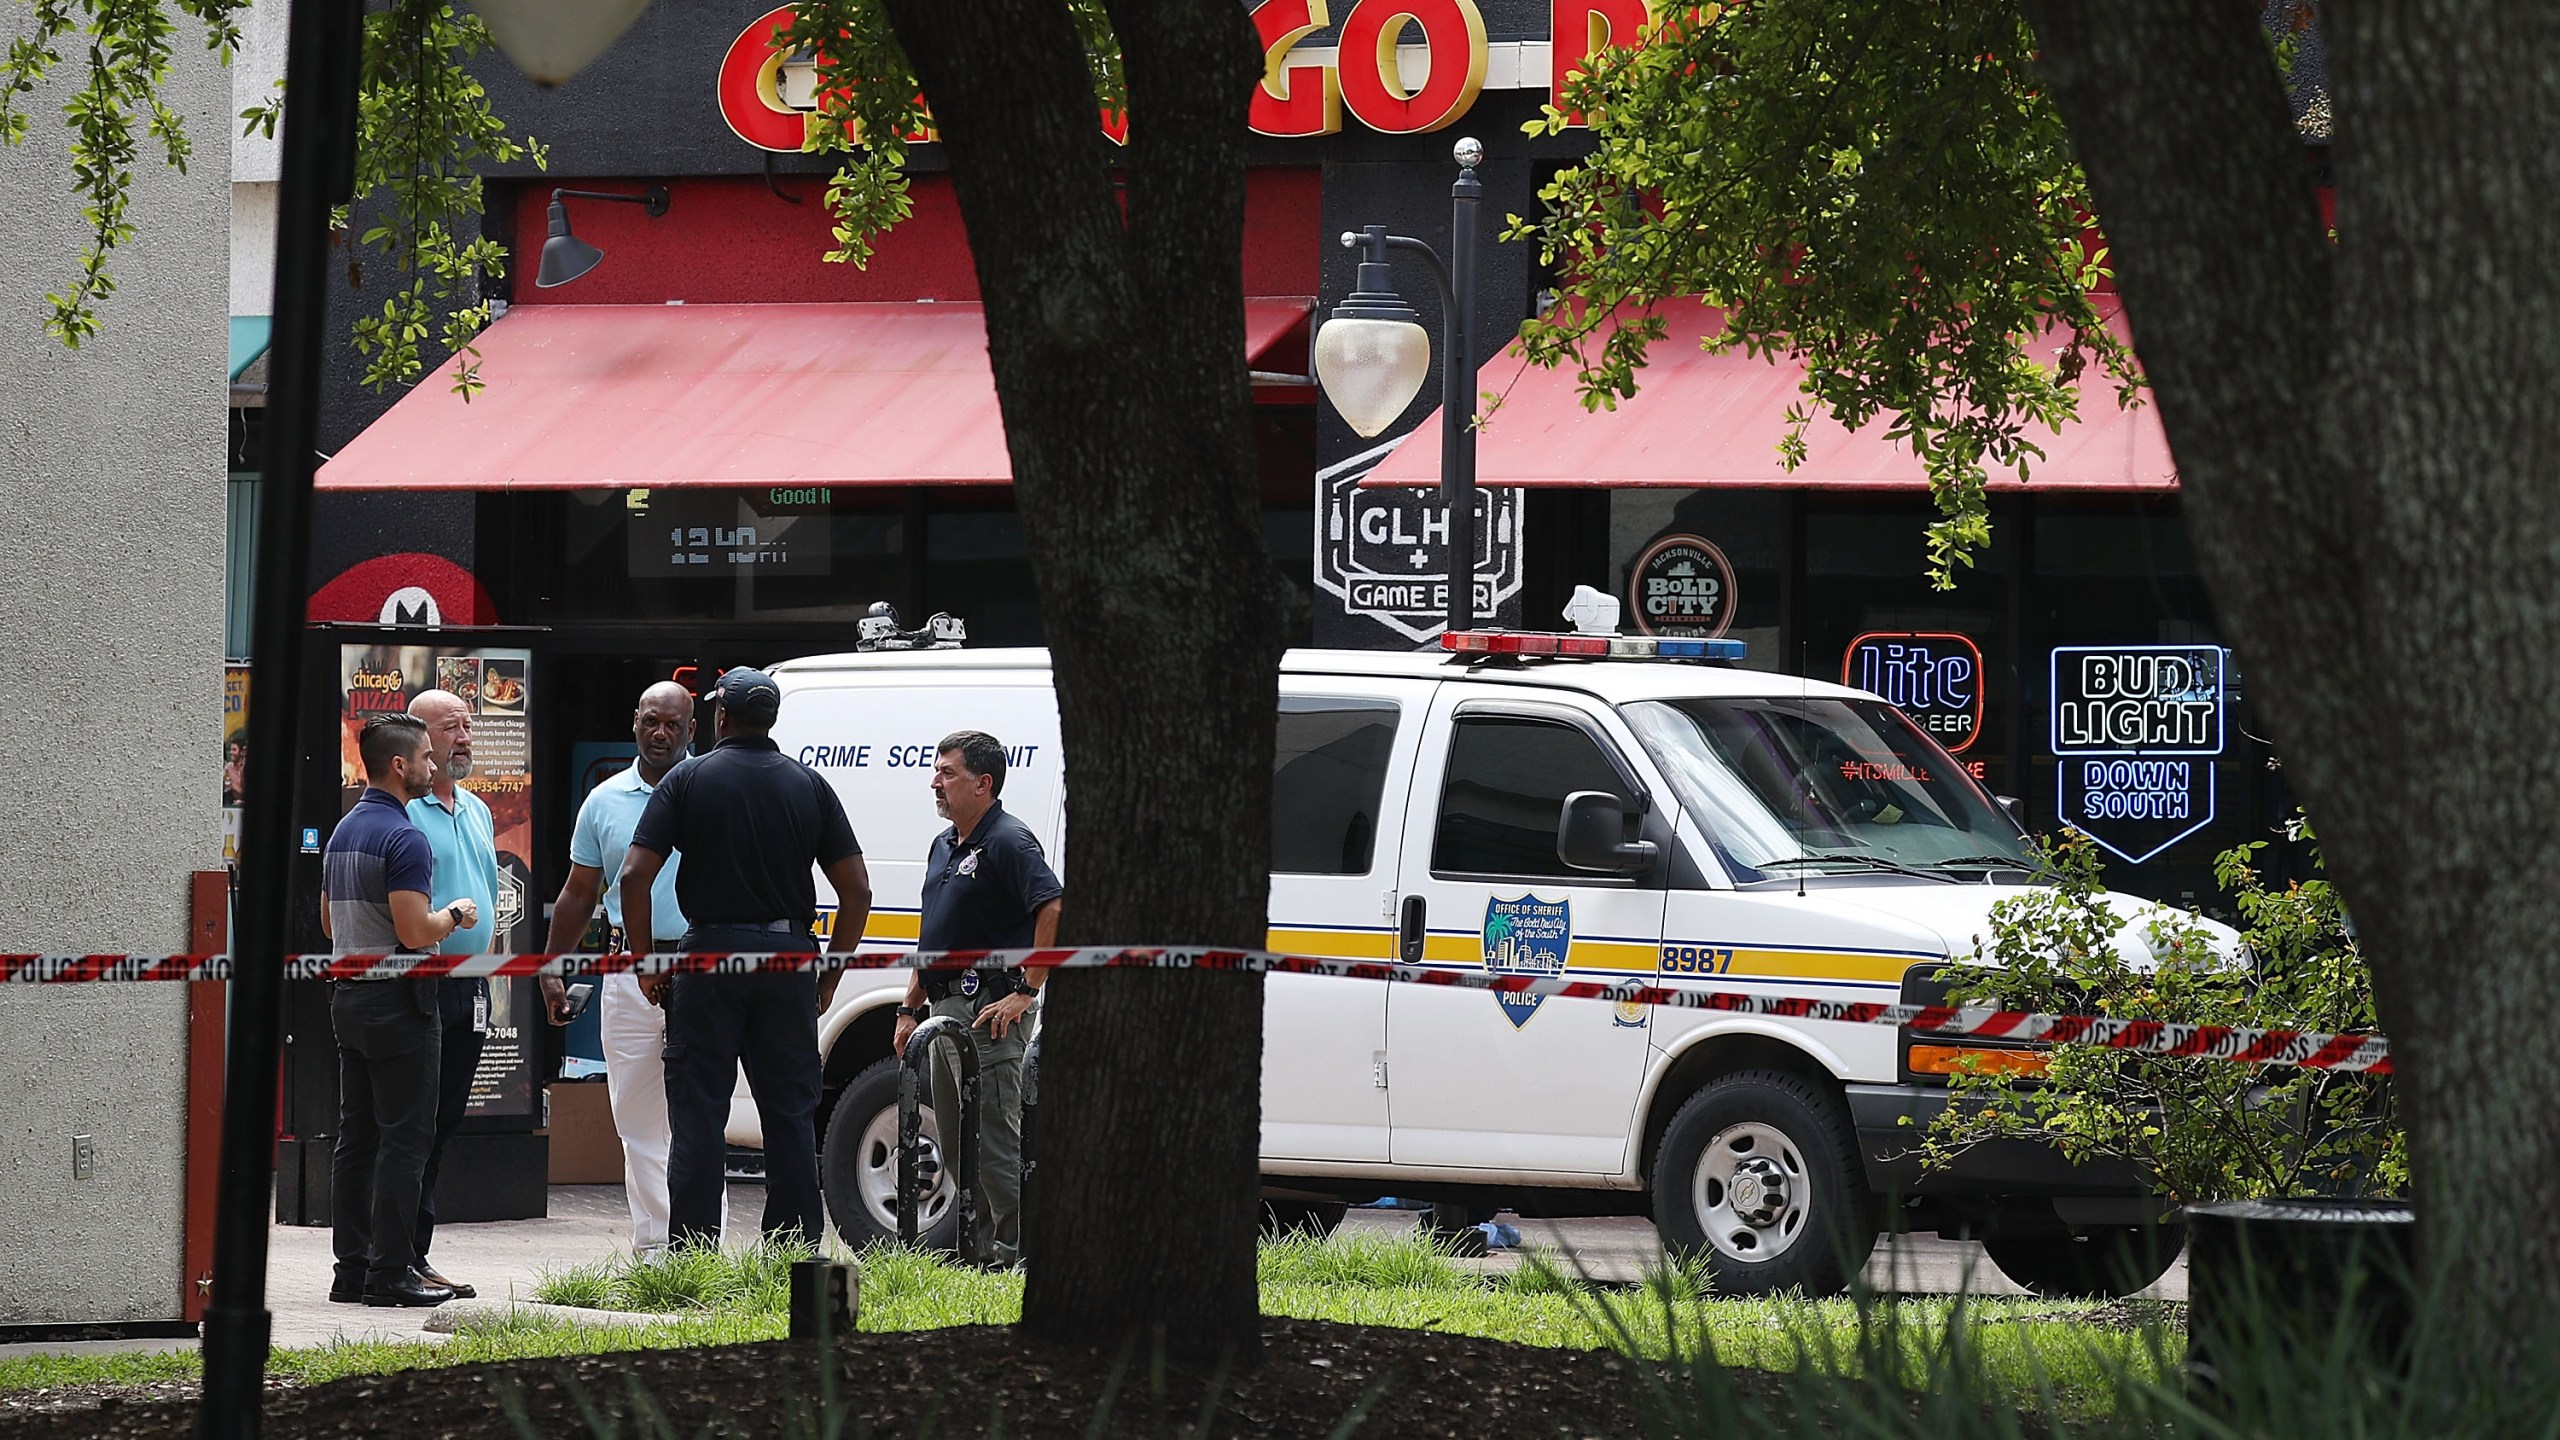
(376, 876)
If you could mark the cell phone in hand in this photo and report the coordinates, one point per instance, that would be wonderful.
(580, 997)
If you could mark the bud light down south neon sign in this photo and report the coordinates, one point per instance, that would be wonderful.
(2134, 732)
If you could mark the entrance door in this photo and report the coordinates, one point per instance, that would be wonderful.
(1519, 1083)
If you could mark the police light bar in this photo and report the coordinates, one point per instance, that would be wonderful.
(1594, 647)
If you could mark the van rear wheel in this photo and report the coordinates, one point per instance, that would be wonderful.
(2105, 1263)
(1757, 1180)
(859, 1166)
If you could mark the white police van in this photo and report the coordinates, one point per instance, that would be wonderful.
(1541, 804)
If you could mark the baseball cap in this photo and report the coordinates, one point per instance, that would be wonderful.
(748, 695)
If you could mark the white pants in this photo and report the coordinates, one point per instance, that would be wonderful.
(635, 1078)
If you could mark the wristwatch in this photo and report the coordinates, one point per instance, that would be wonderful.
(912, 1012)
(453, 912)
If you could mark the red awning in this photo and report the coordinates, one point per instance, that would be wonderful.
(1706, 420)
(631, 396)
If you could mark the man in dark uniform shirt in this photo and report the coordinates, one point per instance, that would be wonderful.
(987, 886)
(750, 821)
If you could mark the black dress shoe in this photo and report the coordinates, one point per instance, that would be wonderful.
(409, 1291)
(460, 1290)
(346, 1292)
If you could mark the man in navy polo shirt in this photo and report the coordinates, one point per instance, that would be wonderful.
(375, 878)
(987, 886)
(750, 822)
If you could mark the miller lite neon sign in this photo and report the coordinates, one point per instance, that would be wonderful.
(1935, 678)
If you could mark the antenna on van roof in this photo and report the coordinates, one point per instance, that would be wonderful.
(878, 630)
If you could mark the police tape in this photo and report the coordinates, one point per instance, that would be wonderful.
(2304, 1049)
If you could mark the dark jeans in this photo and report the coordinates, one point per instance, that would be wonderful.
(455, 1000)
(389, 1043)
(769, 1023)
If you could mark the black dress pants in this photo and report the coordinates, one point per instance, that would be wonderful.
(455, 1000)
(767, 1022)
(389, 1044)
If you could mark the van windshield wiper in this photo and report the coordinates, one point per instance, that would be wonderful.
(1863, 862)
(1996, 862)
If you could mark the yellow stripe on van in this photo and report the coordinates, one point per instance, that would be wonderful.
(1612, 955)
(883, 925)
(1820, 965)
(1339, 944)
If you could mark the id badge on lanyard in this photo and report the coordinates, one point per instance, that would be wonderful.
(480, 1013)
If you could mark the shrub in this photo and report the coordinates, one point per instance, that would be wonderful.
(2199, 1129)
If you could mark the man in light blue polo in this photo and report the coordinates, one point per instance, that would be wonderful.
(633, 1030)
(464, 838)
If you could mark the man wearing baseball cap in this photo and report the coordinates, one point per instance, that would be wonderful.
(750, 822)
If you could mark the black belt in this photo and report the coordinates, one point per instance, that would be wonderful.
(1007, 982)
(779, 927)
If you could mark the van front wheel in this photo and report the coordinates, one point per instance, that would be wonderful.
(1757, 1179)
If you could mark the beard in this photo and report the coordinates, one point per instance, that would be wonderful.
(458, 765)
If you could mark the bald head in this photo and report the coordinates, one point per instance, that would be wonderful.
(662, 728)
(448, 720)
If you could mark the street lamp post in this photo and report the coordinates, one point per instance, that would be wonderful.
(323, 49)
(1372, 353)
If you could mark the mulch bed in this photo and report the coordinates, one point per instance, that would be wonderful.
(953, 1383)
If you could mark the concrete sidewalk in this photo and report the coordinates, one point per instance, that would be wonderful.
(587, 1223)
(504, 1259)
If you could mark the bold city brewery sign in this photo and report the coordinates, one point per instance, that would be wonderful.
(1681, 586)
(2135, 730)
(1936, 679)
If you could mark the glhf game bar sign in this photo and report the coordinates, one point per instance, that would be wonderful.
(2135, 730)
(1400, 67)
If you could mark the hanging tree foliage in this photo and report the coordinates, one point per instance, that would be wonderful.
(1881, 190)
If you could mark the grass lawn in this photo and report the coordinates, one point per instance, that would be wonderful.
(2024, 1348)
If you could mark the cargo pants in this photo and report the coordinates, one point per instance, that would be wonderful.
(998, 1237)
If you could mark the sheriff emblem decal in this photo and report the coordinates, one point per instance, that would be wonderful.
(1527, 936)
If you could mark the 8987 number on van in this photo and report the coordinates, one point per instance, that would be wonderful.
(1696, 960)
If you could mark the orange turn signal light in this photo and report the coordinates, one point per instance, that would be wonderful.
(1964, 1060)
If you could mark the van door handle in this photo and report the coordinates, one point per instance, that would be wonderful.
(1409, 938)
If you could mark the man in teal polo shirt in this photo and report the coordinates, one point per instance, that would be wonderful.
(464, 841)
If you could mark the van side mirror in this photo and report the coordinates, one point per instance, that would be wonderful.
(2017, 809)
(1591, 835)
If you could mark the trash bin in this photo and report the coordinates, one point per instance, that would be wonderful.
(2268, 1279)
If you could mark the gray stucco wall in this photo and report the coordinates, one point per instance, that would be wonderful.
(111, 608)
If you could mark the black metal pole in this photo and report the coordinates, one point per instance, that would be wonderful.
(1030, 1154)
(1458, 390)
(960, 1154)
(322, 49)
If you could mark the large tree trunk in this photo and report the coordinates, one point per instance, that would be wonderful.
(1118, 348)
(2368, 447)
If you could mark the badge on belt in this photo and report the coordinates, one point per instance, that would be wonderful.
(969, 983)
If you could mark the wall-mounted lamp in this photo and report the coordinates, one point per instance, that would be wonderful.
(565, 257)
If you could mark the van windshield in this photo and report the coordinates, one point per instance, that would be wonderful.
(1807, 785)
